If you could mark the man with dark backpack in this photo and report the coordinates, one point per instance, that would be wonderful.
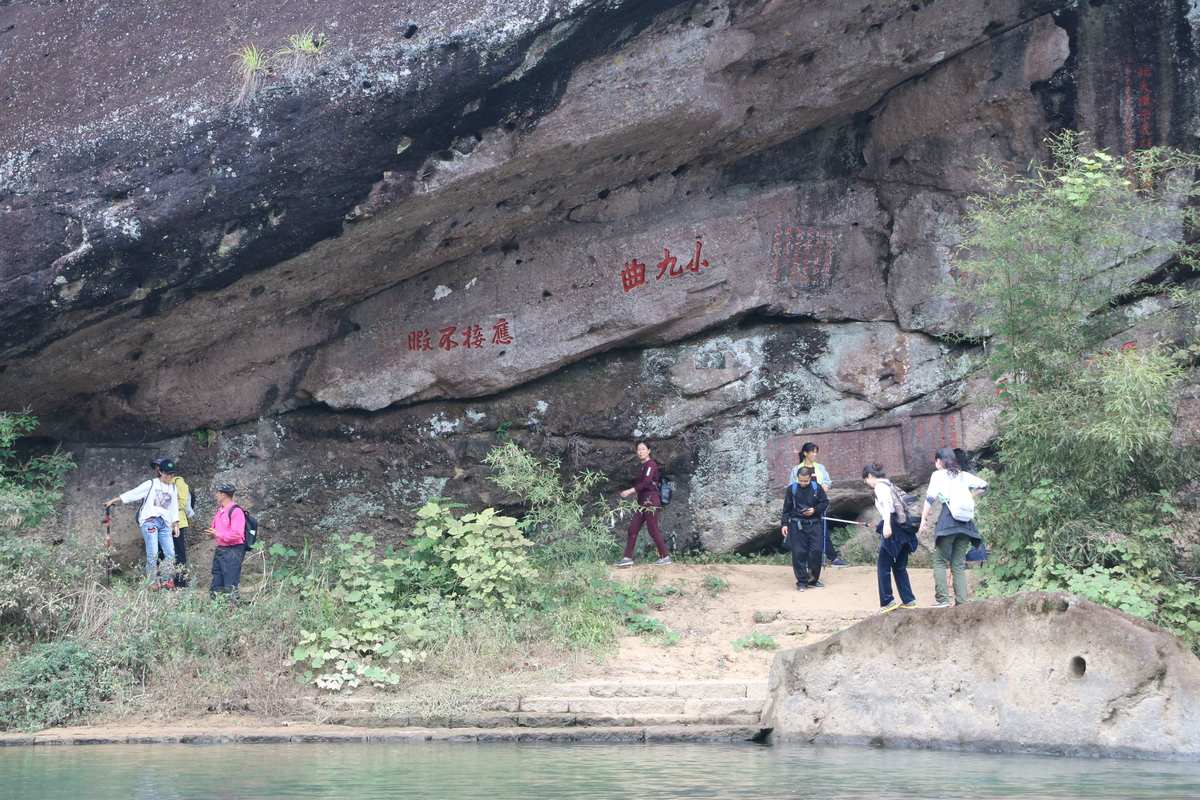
(804, 506)
(229, 529)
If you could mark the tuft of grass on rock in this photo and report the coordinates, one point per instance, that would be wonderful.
(250, 65)
(756, 641)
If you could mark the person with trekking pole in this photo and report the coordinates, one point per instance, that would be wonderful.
(228, 530)
(158, 520)
(955, 533)
(801, 523)
(897, 539)
(180, 538)
(649, 501)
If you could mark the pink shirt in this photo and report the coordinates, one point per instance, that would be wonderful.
(230, 525)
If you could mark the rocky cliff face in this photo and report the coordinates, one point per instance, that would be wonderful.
(575, 221)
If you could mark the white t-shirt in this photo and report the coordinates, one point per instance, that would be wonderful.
(883, 499)
(160, 500)
(943, 485)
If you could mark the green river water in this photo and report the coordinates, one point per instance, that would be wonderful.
(524, 772)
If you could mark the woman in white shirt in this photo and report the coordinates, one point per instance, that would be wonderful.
(158, 519)
(896, 541)
(955, 533)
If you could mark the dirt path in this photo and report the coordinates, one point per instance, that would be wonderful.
(758, 598)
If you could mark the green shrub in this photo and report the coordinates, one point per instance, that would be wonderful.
(1085, 497)
(756, 641)
(40, 586)
(565, 522)
(53, 684)
(479, 559)
(715, 584)
(30, 488)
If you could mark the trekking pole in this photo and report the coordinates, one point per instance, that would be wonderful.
(847, 521)
(107, 523)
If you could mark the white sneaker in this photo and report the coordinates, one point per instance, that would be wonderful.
(663, 562)
(890, 607)
(624, 562)
(940, 605)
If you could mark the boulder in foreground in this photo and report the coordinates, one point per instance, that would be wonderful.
(1038, 673)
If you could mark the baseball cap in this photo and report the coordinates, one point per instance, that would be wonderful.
(165, 464)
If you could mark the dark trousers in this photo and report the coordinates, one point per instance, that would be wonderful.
(893, 562)
(831, 552)
(227, 569)
(181, 571)
(804, 538)
(650, 517)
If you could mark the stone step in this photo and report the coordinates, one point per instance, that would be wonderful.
(714, 690)
(524, 720)
(632, 706)
(315, 733)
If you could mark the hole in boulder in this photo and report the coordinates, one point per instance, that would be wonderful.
(603, 194)
(445, 155)
(709, 23)
(366, 84)
(749, 111)
(509, 247)
(257, 291)
(1078, 666)
(410, 31)
(546, 293)
(354, 326)
(134, 355)
(2, 368)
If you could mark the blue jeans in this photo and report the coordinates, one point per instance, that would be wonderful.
(156, 533)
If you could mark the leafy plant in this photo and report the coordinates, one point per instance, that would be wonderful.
(250, 66)
(204, 437)
(53, 684)
(564, 519)
(715, 584)
(480, 559)
(756, 641)
(30, 487)
(368, 631)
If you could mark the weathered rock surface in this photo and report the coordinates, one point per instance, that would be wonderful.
(439, 232)
(1086, 680)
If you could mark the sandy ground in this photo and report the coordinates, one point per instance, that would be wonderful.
(708, 623)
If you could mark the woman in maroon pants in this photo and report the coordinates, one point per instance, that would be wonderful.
(649, 502)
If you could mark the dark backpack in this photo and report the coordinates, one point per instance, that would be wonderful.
(251, 532)
(666, 488)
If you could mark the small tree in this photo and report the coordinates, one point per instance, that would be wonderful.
(1044, 253)
(1085, 502)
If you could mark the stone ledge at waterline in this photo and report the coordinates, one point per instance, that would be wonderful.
(1036, 673)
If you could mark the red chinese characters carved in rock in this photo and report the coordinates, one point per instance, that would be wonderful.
(633, 274)
(468, 337)
(500, 332)
(419, 340)
(1138, 106)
